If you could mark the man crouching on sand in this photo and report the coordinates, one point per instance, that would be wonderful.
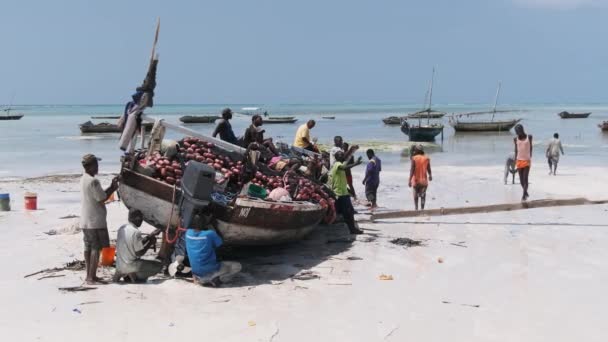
(201, 243)
(93, 215)
(130, 246)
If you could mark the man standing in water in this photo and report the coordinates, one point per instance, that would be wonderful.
(523, 156)
(553, 150)
(372, 178)
(224, 129)
(93, 215)
(421, 166)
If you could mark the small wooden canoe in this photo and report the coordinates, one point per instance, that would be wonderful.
(328, 117)
(392, 120)
(106, 127)
(279, 120)
(199, 118)
(11, 117)
(568, 115)
(484, 126)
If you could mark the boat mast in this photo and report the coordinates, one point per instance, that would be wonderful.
(496, 100)
(428, 116)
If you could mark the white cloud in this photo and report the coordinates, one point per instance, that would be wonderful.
(562, 4)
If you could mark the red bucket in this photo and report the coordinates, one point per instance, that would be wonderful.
(107, 256)
(31, 201)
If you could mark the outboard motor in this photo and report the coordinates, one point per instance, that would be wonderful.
(197, 186)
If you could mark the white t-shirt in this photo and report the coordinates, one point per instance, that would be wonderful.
(93, 211)
(128, 242)
(332, 155)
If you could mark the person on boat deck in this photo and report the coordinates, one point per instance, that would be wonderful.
(372, 178)
(349, 176)
(302, 139)
(523, 153)
(421, 166)
(255, 134)
(201, 243)
(337, 183)
(553, 150)
(224, 128)
(130, 247)
(93, 215)
(510, 168)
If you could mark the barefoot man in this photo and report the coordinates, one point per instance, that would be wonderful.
(421, 166)
(523, 155)
(93, 215)
(553, 150)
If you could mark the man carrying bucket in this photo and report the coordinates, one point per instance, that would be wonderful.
(93, 215)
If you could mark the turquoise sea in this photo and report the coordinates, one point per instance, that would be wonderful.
(48, 141)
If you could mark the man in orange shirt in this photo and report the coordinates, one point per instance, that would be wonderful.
(421, 166)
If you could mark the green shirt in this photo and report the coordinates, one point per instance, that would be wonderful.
(337, 180)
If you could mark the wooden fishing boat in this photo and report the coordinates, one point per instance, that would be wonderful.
(421, 132)
(482, 125)
(603, 126)
(426, 114)
(199, 118)
(106, 117)
(328, 117)
(245, 221)
(106, 127)
(7, 115)
(428, 131)
(568, 115)
(393, 120)
(279, 120)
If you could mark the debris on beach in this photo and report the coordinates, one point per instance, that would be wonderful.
(76, 265)
(77, 288)
(385, 277)
(71, 216)
(305, 275)
(406, 242)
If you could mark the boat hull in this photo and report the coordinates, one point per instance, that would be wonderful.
(392, 120)
(11, 117)
(247, 222)
(279, 121)
(566, 115)
(198, 119)
(422, 133)
(109, 128)
(496, 126)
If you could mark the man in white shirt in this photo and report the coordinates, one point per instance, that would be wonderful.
(93, 215)
(338, 146)
(130, 247)
(553, 150)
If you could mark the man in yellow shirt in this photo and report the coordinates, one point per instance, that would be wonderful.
(302, 139)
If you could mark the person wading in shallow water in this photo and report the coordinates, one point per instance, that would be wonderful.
(523, 153)
(421, 166)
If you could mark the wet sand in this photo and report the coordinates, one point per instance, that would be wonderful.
(532, 275)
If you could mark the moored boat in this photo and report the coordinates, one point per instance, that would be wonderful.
(106, 117)
(328, 117)
(426, 114)
(7, 115)
(198, 118)
(484, 126)
(568, 115)
(393, 120)
(421, 132)
(106, 127)
(280, 120)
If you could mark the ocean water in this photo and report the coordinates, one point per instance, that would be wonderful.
(47, 139)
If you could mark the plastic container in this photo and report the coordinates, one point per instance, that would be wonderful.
(31, 201)
(256, 191)
(107, 256)
(5, 202)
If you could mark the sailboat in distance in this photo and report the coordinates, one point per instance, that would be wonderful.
(423, 132)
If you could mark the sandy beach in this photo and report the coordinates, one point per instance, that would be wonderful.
(533, 275)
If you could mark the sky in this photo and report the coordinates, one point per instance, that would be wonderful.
(313, 51)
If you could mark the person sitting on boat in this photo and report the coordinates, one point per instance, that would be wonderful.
(553, 150)
(201, 243)
(224, 128)
(130, 247)
(421, 166)
(510, 168)
(302, 139)
(255, 134)
(338, 184)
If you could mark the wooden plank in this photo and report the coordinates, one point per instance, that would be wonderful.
(487, 208)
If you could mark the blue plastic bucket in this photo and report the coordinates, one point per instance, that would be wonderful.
(5, 202)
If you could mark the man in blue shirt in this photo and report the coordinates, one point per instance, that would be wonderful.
(372, 178)
(201, 243)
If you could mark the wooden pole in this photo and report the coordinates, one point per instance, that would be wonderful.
(496, 100)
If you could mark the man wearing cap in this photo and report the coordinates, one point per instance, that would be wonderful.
(93, 215)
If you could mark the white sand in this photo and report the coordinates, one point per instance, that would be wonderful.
(536, 275)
